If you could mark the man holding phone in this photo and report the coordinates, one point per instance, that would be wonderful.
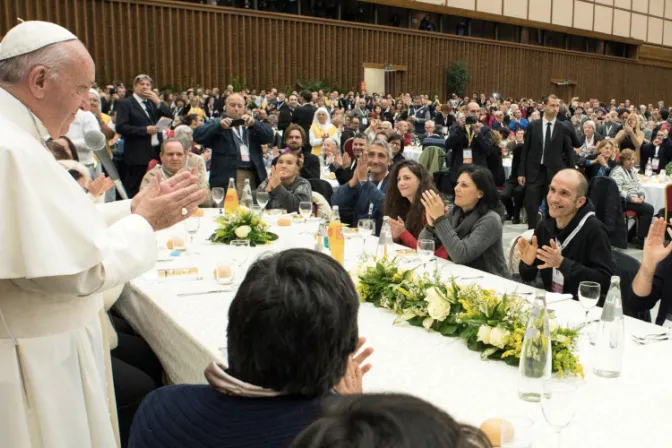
(236, 142)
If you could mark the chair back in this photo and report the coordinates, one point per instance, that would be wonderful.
(668, 202)
(513, 255)
(322, 187)
(603, 193)
(347, 148)
(321, 207)
(627, 268)
(433, 159)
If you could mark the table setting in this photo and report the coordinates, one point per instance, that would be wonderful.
(424, 349)
(654, 187)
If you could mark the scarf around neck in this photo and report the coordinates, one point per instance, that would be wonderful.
(463, 223)
(227, 384)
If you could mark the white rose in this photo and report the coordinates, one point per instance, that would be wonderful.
(553, 325)
(243, 231)
(427, 323)
(243, 209)
(438, 307)
(499, 337)
(484, 334)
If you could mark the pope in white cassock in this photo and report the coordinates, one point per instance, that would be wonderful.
(58, 251)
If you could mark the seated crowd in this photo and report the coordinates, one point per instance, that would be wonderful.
(281, 388)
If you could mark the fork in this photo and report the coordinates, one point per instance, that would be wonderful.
(649, 338)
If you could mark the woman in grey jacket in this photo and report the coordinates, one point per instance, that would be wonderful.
(471, 231)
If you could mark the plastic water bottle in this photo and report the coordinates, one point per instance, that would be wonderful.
(385, 240)
(247, 199)
(610, 339)
(648, 172)
(335, 215)
(535, 357)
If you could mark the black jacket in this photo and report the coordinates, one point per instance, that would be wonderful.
(285, 117)
(446, 122)
(494, 161)
(481, 145)
(559, 156)
(609, 129)
(603, 193)
(132, 122)
(515, 163)
(594, 169)
(649, 150)
(587, 257)
(660, 290)
(303, 116)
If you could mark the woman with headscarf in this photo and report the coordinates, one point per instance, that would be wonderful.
(321, 129)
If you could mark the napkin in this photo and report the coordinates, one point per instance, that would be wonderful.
(555, 297)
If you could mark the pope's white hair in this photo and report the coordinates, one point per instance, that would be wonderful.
(54, 57)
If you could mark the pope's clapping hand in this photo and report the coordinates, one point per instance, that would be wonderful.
(163, 203)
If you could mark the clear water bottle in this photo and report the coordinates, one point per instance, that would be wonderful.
(335, 215)
(648, 172)
(385, 240)
(535, 357)
(610, 339)
(247, 199)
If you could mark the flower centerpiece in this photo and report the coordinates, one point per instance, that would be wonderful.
(242, 225)
(490, 323)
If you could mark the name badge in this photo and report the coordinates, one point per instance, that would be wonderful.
(244, 153)
(655, 163)
(365, 121)
(467, 156)
(558, 281)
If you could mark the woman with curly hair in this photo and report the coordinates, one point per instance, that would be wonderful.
(407, 181)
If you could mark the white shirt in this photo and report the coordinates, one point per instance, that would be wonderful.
(83, 123)
(155, 137)
(543, 135)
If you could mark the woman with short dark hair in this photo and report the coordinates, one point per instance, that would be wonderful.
(471, 231)
(396, 143)
(292, 329)
(390, 421)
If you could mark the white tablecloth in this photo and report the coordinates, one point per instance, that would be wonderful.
(655, 192)
(412, 153)
(630, 411)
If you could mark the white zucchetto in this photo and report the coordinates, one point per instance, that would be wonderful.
(30, 36)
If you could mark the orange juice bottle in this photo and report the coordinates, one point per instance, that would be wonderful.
(337, 241)
(231, 199)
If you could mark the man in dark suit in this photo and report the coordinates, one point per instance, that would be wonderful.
(548, 148)
(303, 116)
(287, 112)
(219, 101)
(470, 143)
(236, 143)
(445, 118)
(611, 126)
(658, 152)
(137, 116)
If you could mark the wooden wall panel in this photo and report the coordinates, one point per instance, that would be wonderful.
(186, 45)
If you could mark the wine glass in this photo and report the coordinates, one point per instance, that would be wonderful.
(425, 251)
(558, 403)
(218, 197)
(305, 209)
(589, 295)
(262, 199)
(365, 229)
(241, 250)
(191, 225)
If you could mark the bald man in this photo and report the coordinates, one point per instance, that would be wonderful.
(570, 246)
(236, 141)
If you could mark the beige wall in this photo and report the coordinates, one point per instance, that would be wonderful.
(647, 20)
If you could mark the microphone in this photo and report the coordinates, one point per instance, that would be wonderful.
(96, 140)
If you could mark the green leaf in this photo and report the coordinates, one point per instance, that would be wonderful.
(488, 352)
(448, 329)
(416, 321)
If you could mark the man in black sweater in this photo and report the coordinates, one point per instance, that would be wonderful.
(310, 164)
(570, 246)
(303, 116)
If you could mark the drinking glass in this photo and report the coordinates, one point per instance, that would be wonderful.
(241, 250)
(218, 197)
(516, 432)
(589, 295)
(262, 199)
(191, 225)
(305, 209)
(425, 251)
(256, 209)
(558, 403)
(365, 229)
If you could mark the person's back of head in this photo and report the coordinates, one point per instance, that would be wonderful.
(293, 323)
(664, 113)
(387, 421)
(307, 96)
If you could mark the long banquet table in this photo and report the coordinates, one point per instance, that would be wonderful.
(631, 411)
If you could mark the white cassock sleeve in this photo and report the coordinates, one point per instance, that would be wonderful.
(129, 251)
(114, 211)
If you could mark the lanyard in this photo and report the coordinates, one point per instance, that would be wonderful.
(240, 134)
(574, 232)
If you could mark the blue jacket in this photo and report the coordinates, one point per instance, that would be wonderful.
(226, 150)
(359, 199)
(192, 416)
(522, 124)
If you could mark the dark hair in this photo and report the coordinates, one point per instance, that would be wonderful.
(58, 151)
(398, 206)
(189, 119)
(75, 174)
(390, 421)
(306, 95)
(71, 147)
(545, 99)
(293, 323)
(484, 181)
(293, 127)
(398, 138)
(664, 113)
(361, 135)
